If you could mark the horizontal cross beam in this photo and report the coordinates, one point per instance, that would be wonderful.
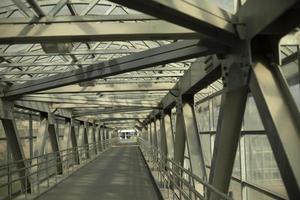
(169, 53)
(92, 31)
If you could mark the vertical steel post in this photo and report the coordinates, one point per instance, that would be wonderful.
(150, 134)
(104, 137)
(169, 134)
(154, 135)
(81, 138)
(158, 132)
(163, 135)
(91, 136)
(54, 142)
(74, 142)
(179, 135)
(193, 139)
(86, 140)
(30, 135)
(101, 138)
(233, 103)
(42, 135)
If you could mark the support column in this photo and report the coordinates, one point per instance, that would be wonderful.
(169, 134)
(101, 138)
(31, 136)
(164, 148)
(65, 142)
(42, 135)
(179, 135)
(74, 143)
(107, 134)
(92, 137)
(14, 141)
(153, 134)
(86, 140)
(54, 142)
(83, 139)
(229, 125)
(150, 134)
(104, 137)
(67, 134)
(146, 137)
(193, 139)
(158, 133)
(97, 137)
(280, 117)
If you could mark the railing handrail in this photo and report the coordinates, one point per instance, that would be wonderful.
(163, 158)
(65, 158)
(50, 153)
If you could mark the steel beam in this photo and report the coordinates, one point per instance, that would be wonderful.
(83, 139)
(42, 135)
(154, 135)
(108, 134)
(227, 138)
(74, 142)
(36, 7)
(180, 137)
(256, 18)
(100, 140)
(84, 100)
(23, 7)
(73, 105)
(126, 115)
(111, 88)
(163, 137)
(193, 139)
(51, 72)
(104, 137)
(169, 53)
(149, 134)
(202, 17)
(42, 107)
(66, 141)
(70, 19)
(90, 31)
(167, 126)
(67, 135)
(117, 119)
(202, 73)
(74, 52)
(97, 111)
(158, 133)
(14, 142)
(92, 137)
(54, 142)
(280, 117)
(86, 140)
(57, 7)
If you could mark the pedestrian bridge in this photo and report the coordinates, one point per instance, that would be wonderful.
(111, 169)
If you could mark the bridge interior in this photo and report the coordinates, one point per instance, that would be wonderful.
(156, 99)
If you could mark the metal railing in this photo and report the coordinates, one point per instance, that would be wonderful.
(177, 180)
(44, 172)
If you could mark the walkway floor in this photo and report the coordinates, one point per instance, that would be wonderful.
(119, 173)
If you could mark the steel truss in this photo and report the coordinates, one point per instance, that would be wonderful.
(121, 69)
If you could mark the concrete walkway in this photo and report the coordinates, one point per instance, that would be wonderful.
(119, 173)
